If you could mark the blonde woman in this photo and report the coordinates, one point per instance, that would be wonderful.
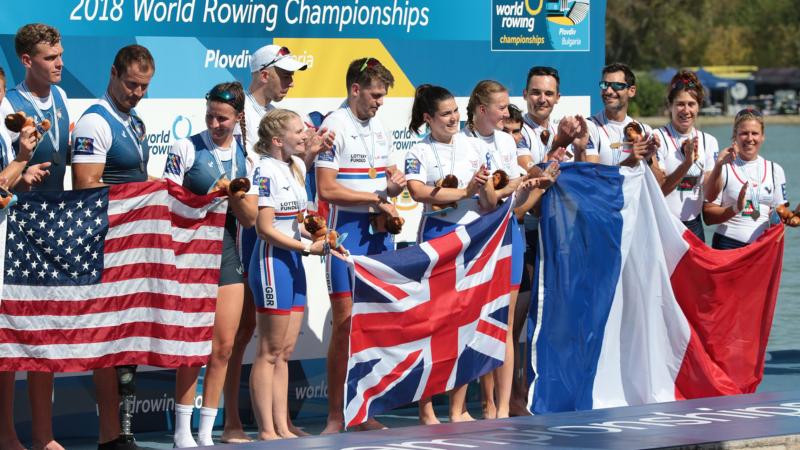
(276, 275)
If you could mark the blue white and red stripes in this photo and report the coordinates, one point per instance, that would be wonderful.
(636, 309)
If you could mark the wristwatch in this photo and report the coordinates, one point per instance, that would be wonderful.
(306, 251)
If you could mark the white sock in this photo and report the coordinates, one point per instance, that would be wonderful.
(183, 427)
(207, 417)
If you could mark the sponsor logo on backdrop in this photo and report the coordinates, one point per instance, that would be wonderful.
(219, 59)
(540, 25)
(403, 139)
(306, 392)
(161, 140)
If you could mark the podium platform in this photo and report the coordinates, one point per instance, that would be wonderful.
(767, 420)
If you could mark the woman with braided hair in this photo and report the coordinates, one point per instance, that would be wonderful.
(198, 163)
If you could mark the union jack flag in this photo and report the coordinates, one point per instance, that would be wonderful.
(428, 318)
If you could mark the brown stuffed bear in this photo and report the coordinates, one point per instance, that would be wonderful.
(451, 182)
(545, 137)
(17, 121)
(633, 132)
(317, 227)
(239, 186)
(789, 217)
(499, 179)
(384, 222)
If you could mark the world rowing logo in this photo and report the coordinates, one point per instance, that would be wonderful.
(540, 25)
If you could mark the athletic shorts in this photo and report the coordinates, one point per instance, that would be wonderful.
(231, 269)
(277, 279)
(246, 242)
(359, 241)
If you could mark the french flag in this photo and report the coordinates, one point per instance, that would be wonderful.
(636, 309)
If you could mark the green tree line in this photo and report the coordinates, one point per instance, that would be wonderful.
(661, 33)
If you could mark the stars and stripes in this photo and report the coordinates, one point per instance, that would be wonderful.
(125, 274)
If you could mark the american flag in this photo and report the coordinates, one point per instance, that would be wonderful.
(125, 274)
(428, 318)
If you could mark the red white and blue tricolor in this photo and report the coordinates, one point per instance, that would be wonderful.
(428, 318)
(636, 309)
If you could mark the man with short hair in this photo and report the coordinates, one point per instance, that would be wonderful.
(541, 139)
(110, 148)
(39, 49)
(606, 143)
(355, 177)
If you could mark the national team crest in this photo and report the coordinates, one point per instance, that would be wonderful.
(327, 155)
(263, 187)
(84, 146)
(173, 164)
(412, 166)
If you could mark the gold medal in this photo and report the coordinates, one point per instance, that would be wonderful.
(372, 172)
(616, 145)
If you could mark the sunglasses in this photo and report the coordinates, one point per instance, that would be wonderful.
(683, 83)
(615, 85)
(219, 95)
(368, 63)
(283, 52)
(749, 112)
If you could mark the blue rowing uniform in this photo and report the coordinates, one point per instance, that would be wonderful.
(123, 161)
(47, 151)
(204, 172)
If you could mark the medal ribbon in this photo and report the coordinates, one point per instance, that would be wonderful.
(371, 149)
(54, 138)
(137, 136)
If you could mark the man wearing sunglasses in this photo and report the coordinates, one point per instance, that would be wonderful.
(606, 136)
(272, 69)
(109, 147)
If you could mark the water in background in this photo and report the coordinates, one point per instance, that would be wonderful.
(780, 146)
